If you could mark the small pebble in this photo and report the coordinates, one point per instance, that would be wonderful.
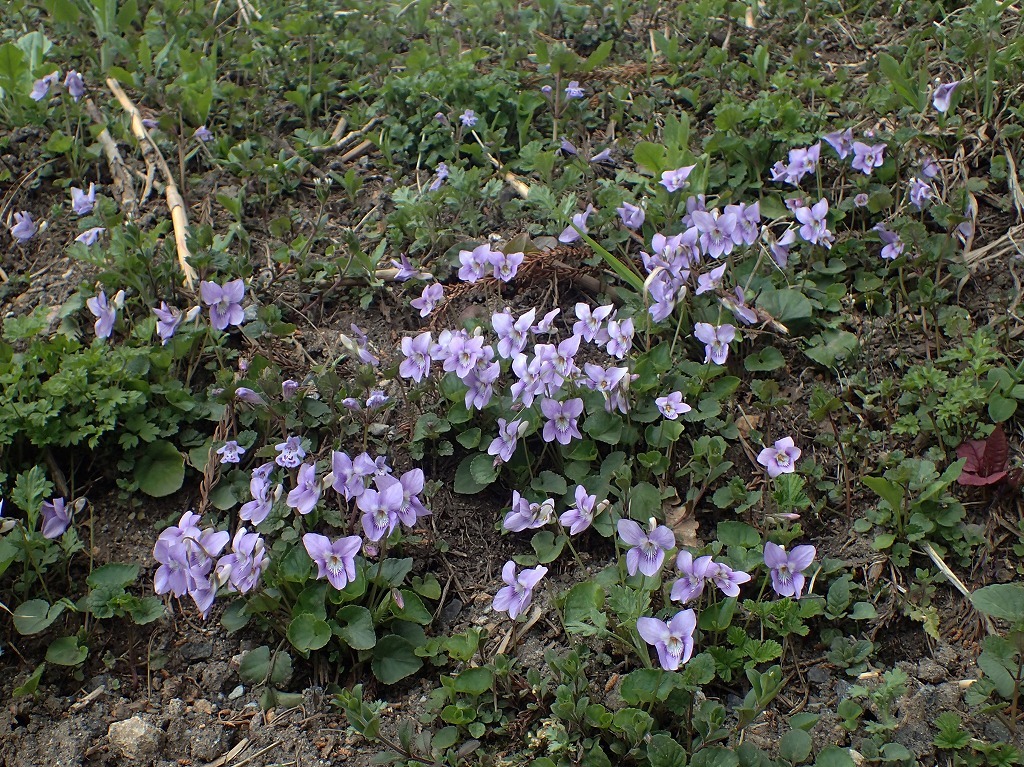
(236, 693)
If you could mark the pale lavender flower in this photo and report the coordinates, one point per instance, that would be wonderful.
(739, 307)
(674, 180)
(546, 322)
(75, 85)
(41, 87)
(90, 236)
(475, 263)
(359, 344)
(82, 202)
(861, 200)
(579, 224)
(105, 314)
(440, 175)
(245, 394)
(748, 222)
(335, 560)
(716, 231)
(780, 458)
(841, 141)
(376, 399)
(694, 575)
(566, 148)
(716, 340)
(573, 90)
(289, 388)
(347, 477)
(24, 229)
(632, 216)
(429, 299)
(589, 323)
(513, 334)
(230, 452)
(515, 597)
(944, 94)
(524, 515)
(929, 168)
(815, 226)
(672, 405)
(647, 552)
(306, 493)
(416, 350)
(203, 134)
(673, 640)
(780, 248)
(561, 424)
(468, 118)
(506, 264)
(787, 570)
(225, 302)
(504, 445)
(290, 453)
(866, 156)
(380, 507)
(725, 578)
(581, 515)
(259, 508)
(56, 518)
(242, 568)
(710, 281)
(620, 337)
(604, 156)
(893, 245)
(412, 507)
(920, 192)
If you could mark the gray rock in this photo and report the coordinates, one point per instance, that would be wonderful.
(207, 743)
(135, 738)
(819, 675)
(930, 671)
(193, 651)
(215, 676)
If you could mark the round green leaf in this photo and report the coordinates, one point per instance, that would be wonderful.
(795, 746)
(35, 615)
(357, 631)
(161, 469)
(394, 659)
(1001, 600)
(66, 652)
(307, 632)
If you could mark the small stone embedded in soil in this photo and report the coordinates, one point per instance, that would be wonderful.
(236, 693)
(930, 671)
(135, 738)
(208, 743)
(819, 675)
(193, 651)
(202, 706)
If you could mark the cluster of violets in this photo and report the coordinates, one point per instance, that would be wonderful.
(223, 301)
(193, 562)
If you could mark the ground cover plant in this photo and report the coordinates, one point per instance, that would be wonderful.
(495, 383)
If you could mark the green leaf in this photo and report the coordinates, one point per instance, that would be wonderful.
(412, 610)
(795, 746)
(663, 751)
(114, 575)
(1001, 600)
(767, 359)
(651, 157)
(474, 681)
(598, 57)
(547, 546)
(716, 756)
(647, 685)
(255, 666)
(36, 615)
(146, 610)
(312, 600)
(583, 610)
(1001, 408)
(394, 659)
(831, 347)
(31, 684)
(357, 631)
(834, 756)
(307, 632)
(887, 490)
(160, 470)
(604, 427)
(12, 67)
(66, 652)
(470, 438)
(474, 474)
(786, 304)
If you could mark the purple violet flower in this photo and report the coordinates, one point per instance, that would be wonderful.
(780, 458)
(581, 515)
(306, 493)
(506, 264)
(24, 229)
(725, 578)
(225, 302)
(787, 569)
(920, 192)
(694, 575)
(90, 236)
(893, 245)
(674, 180)
(710, 280)
(75, 85)
(620, 337)
(468, 118)
(866, 157)
(429, 298)
(524, 515)
(41, 87)
(56, 518)
(841, 141)
(513, 335)
(944, 95)
(561, 424)
(632, 216)
(516, 596)
(716, 340)
(572, 232)
(647, 552)
(504, 445)
(203, 134)
(289, 388)
(815, 226)
(716, 231)
(475, 263)
(335, 560)
(589, 323)
(416, 350)
(673, 640)
(380, 507)
(81, 202)
(412, 507)
(104, 312)
(672, 405)
(861, 200)
(440, 176)
(573, 90)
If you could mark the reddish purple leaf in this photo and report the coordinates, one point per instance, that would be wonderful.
(986, 460)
